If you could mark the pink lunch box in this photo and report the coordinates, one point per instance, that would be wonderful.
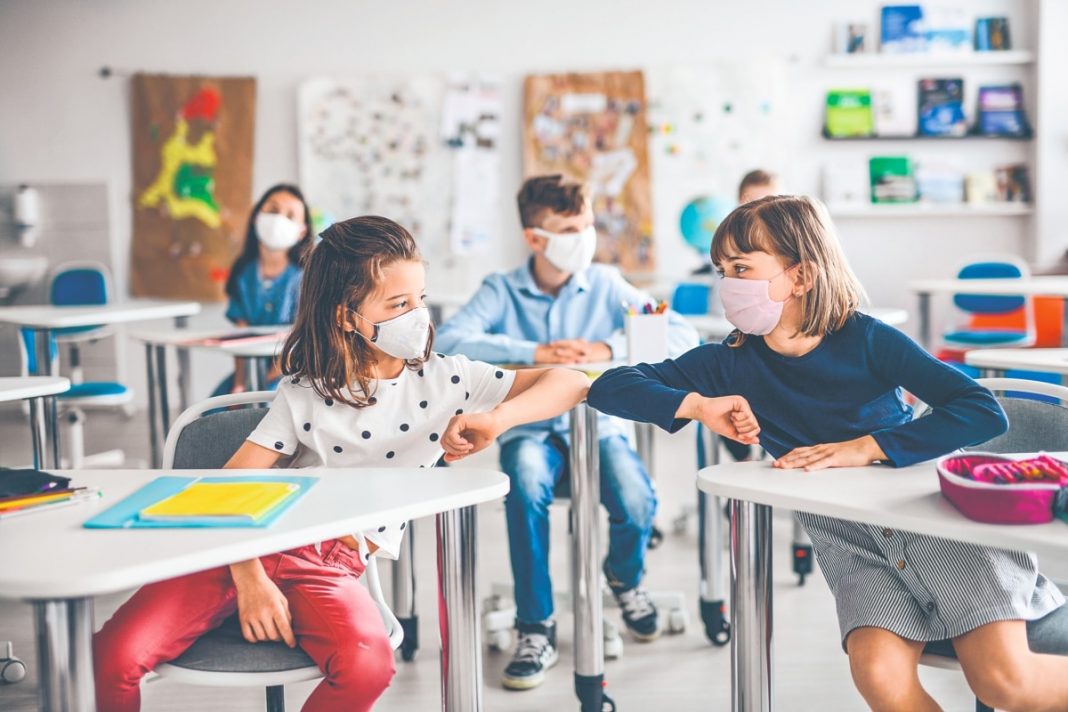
(997, 503)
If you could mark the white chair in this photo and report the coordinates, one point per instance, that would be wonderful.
(1034, 425)
(205, 436)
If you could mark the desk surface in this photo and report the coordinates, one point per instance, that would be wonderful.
(189, 340)
(50, 555)
(45, 316)
(1048, 286)
(1045, 360)
(21, 387)
(906, 499)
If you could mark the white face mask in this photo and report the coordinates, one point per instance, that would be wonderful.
(277, 232)
(570, 251)
(404, 337)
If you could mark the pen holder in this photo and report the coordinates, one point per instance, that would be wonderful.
(647, 336)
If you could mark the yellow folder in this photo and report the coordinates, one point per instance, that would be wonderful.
(222, 500)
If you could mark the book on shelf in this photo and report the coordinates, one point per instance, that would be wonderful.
(850, 38)
(1001, 111)
(894, 109)
(981, 188)
(848, 113)
(939, 183)
(940, 109)
(947, 30)
(1013, 183)
(992, 34)
(902, 29)
(892, 179)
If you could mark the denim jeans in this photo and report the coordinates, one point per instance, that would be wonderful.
(535, 466)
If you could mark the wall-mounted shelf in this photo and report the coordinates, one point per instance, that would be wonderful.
(872, 60)
(966, 137)
(925, 210)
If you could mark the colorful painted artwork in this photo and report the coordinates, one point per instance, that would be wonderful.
(592, 127)
(192, 182)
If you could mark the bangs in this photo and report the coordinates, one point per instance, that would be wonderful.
(740, 233)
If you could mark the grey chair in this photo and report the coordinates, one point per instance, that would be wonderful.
(205, 436)
(1034, 424)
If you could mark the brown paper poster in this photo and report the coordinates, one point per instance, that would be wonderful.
(192, 182)
(592, 127)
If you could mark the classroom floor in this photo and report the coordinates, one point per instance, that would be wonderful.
(681, 672)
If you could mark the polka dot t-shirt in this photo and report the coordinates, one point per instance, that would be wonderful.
(402, 429)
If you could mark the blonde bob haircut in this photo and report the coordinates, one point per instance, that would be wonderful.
(798, 230)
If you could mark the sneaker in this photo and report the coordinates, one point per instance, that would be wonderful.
(535, 654)
(639, 612)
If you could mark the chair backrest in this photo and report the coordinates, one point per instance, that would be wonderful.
(79, 284)
(992, 267)
(208, 433)
(1037, 413)
(691, 298)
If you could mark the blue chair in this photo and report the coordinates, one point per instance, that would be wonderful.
(993, 267)
(80, 284)
(691, 298)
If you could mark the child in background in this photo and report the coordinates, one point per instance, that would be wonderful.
(821, 385)
(557, 307)
(264, 281)
(757, 184)
(362, 389)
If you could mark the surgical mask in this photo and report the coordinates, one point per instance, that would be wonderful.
(570, 251)
(277, 232)
(748, 305)
(404, 337)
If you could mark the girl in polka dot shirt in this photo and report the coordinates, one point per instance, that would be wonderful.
(362, 387)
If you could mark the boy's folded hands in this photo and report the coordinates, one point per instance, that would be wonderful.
(572, 351)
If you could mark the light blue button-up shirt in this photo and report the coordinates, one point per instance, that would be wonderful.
(509, 316)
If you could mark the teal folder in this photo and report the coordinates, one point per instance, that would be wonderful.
(124, 514)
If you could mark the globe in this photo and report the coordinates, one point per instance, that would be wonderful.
(700, 218)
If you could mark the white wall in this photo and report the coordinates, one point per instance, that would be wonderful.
(60, 122)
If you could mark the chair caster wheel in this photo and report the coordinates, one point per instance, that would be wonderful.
(676, 621)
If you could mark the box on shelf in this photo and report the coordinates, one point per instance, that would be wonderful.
(1001, 111)
(848, 113)
(939, 183)
(894, 109)
(892, 179)
(903, 29)
(947, 30)
(992, 34)
(850, 38)
(1014, 183)
(981, 188)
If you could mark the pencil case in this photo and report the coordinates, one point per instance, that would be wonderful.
(1000, 490)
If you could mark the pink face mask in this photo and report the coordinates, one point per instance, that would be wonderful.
(748, 305)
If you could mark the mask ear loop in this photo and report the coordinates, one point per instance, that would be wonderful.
(374, 333)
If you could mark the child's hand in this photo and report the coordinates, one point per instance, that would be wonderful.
(572, 351)
(729, 416)
(262, 609)
(466, 434)
(851, 453)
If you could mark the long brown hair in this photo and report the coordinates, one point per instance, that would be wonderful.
(343, 270)
(799, 230)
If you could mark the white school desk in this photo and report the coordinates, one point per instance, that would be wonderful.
(1000, 360)
(44, 319)
(38, 390)
(82, 563)
(1031, 286)
(907, 499)
(257, 356)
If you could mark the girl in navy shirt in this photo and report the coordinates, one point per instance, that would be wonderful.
(819, 384)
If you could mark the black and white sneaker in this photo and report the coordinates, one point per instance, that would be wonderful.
(639, 612)
(535, 654)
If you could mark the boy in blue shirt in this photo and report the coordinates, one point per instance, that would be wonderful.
(558, 307)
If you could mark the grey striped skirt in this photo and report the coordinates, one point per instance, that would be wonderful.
(921, 587)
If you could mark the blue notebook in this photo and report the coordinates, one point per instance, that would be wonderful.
(124, 514)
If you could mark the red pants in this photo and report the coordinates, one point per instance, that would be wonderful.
(335, 621)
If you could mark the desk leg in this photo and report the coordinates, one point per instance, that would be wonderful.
(713, 589)
(458, 621)
(404, 595)
(155, 450)
(585, 553)
(164, 399)
(925, 320)
(185, 372)
(751, 610)
(253, 373)
(47, 364)
(43, 432)
(65, 654)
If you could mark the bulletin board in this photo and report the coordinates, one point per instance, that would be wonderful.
(592, 128)
(419, 149)
(192, 182)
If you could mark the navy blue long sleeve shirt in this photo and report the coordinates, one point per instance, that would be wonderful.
(847, 387)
